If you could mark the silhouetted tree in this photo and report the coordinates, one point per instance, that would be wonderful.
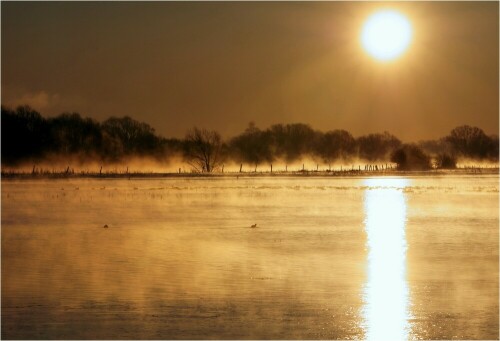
(374, 147)
(291, 141)
(71, 134)
(493, 149)
(136, 137)
(253, 146)
(446, 161)
(24, 134)
(203, 149)
(410, 157)
(335, 145)
(470, 142)
(27, 136)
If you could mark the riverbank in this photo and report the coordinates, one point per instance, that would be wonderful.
(305, 173)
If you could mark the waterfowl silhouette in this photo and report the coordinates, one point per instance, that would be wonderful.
(254, 225)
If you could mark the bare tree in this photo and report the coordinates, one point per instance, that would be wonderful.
(203, 149)
(471, 142)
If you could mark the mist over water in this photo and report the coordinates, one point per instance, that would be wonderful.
(342, 258)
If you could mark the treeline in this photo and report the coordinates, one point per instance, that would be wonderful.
(293, 141)
(29, 137)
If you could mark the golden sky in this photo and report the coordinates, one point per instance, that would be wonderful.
(220, 65)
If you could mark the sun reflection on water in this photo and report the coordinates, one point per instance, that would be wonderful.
(386, 294)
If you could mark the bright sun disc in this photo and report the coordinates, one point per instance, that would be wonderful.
(386, 35)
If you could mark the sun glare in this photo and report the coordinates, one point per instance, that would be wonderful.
(386, 35)
(386, 296)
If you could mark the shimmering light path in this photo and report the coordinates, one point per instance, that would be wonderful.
(386, 294)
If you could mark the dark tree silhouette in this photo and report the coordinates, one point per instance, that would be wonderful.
(70, 134)
(203, 149)
(471, 142)
(136, 137)
(29, 137)
(446, 161)
(410, 157)
(291, 141)
(493, 152)
(24, 134)
(253, 146)
(375, 147)
(335, 145)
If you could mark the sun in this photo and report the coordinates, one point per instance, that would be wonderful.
(386, 35)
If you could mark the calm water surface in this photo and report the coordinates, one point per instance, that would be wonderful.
(331, 258)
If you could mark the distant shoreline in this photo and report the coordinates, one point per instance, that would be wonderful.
(267, 174)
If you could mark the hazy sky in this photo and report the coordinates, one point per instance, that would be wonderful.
(221, 65)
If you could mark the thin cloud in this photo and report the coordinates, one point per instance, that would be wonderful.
(37, 100)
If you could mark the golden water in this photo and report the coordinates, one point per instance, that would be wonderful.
(331, 258)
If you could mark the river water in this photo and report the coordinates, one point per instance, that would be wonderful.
(330, 258)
